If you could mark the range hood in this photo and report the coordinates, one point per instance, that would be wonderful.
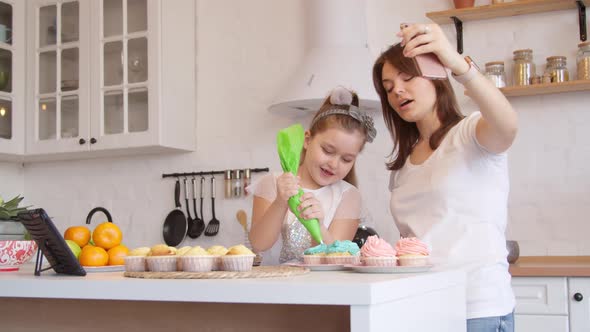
(338, 55)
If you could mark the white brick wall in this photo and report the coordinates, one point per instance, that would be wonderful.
(245, 54)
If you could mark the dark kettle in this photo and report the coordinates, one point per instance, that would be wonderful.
(362, 233)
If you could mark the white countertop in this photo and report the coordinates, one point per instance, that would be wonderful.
(335, 288)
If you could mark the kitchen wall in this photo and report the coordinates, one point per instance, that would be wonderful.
(245, 54)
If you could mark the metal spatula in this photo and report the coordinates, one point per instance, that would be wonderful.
(213, 225)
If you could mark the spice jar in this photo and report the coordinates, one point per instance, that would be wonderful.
(228, 184)
(557, 69)
(237, 183)
(583, 61)
(524, 67)
(247, 177)
(495, 72)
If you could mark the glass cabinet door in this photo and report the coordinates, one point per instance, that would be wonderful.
(6, 71)
(58, 63)
(124, 48)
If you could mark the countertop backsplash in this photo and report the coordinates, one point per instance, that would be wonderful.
(240, 69)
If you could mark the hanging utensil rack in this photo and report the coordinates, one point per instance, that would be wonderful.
(176, 175)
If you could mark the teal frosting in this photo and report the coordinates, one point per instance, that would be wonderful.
(344, 246)
(319, 249)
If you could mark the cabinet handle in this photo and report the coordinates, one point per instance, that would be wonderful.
(82, 141)
(578, 297)
(92, 140)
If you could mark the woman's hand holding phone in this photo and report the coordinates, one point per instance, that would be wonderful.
(421, 39)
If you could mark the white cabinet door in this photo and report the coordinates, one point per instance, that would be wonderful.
(58, 104)
(579, 299)
(12, 79)
(540, 323)
(540, 295)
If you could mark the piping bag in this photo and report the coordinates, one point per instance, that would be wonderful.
(290, 144)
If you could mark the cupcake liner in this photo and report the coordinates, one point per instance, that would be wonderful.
(216, 263)
(346, 260)
(313, 259)
(414, 260)
(135, 263)
(161, 263)
(237, 262)
(380, 261)
(197, 263)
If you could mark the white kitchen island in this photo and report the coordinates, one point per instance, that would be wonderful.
(317, 301)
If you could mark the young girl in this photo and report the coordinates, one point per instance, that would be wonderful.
(449, 173)
(336, 136)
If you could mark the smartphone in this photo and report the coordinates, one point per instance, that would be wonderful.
(429, 66)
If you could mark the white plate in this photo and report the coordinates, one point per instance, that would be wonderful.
(389, 269)
(320, 267)
(108, 268)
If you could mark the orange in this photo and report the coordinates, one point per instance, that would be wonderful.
(78, 234)
(107, 235)
(93, 256)
(116, 255)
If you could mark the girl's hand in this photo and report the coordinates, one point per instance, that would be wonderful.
(311, 208)
(429, 38)
(287, 186)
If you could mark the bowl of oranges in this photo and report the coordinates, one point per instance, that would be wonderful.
(99, 249)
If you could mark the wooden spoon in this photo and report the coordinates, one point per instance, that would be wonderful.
(243, 219)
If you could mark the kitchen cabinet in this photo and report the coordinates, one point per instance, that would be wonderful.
(12, 82)
(551, 304)
(515, 8)
(110, 77)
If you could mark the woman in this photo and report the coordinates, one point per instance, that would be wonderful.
(449, 173)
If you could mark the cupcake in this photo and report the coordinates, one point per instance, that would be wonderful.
(161, 258)
(217, 252)
(315, 255)
(197, 259)
(377, 252)
(135, 259)
(343, 252)
(180, 252)
(412, 252)
(238, 258)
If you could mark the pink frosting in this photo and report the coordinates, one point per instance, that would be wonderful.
(411, 246)
(376, 247)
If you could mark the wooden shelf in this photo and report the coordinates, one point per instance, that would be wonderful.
(546, 88)
(515, 8)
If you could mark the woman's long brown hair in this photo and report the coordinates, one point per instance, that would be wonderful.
(405, 134)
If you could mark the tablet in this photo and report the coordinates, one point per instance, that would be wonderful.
(51, 244)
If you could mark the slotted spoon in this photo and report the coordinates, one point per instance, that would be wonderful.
(213, 225)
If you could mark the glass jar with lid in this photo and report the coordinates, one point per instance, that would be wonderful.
(495, 72)
(557, 69)
(524, 67)
(583, 61)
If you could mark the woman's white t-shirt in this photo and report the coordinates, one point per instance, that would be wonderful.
(456, 202)
(339, 200)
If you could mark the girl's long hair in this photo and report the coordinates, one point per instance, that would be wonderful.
(405, 134)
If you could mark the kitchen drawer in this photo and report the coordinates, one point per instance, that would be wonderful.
(547, 295)
(539, 323)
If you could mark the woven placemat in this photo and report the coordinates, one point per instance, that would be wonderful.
(256, 272)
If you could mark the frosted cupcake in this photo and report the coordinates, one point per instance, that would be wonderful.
(315, 255)
(238, 258)
(161, 258)
(343, 252)
(217, 252)
(197, 259)
(412, 252)
(377, 252)
(135, 259)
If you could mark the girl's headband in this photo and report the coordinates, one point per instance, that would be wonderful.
(343, 97)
